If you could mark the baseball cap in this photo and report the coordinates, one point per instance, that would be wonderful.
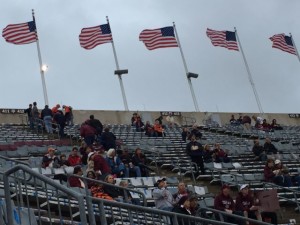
(244, 186)
(277, 161)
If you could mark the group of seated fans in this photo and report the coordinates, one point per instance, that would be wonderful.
(203, 154)
(259, 123)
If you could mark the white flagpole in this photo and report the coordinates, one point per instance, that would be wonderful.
(296, 50)
(186, 70)
(41, 64)
(249, 75)
(119, 74)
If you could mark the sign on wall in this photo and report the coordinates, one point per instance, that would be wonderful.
(172, 113)
(294, 115)
(12, 111)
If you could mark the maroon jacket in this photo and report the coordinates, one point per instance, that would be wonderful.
(243, 203)
(101, 164)
(223, 202)
(268, 173)
(87, 130)
(74, 182)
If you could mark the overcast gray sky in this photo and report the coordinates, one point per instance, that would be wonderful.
(156, 81)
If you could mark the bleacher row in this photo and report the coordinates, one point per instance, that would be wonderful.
(169, 153)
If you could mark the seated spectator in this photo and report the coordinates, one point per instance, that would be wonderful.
(220, 155)
(181, 192)
(139, 159)
(91, 175)
(126, 194)
(269, 148)
(113, 192)
(266, 126)
(149, 131)
(76, 181)
(195, 150)
(245, 204)
(196, 132)
(183, 207)
(268, 170)
(207, 154)
(232, 120)
(131, 169)
(282, 177)
(116, 166)
(63, 162)
(258, 122)
(162, 196)
(246, 122)
(88, 133)
(158, 129)
(50, 159)
(133, 119)
(259, 151)
(98, 192)
(108, 139)
(84, 154)
(74, 159)
(99, 164)
(224, 202)
(170, 119)
(139, 125)
(275, 126)
(185, 134)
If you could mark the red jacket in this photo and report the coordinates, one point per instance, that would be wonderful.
(74, 160)
(223, 202)
(268, 173)
(243, 203)
(74, 182)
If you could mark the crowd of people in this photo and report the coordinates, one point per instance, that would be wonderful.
(49, 118)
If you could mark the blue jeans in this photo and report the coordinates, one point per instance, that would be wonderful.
(48, 125)
(136, 169)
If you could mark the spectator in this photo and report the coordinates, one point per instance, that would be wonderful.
(59, 118)
(232, 120)
(181, 192)
(259, 151)
(275, 126)
(108, 139)
(84, 154)
(282, 177)
(46, 116)
(266, 126)
(162, 196)
(160, 120)
(269, 148)
(55, 109)
(258, 122)
(224, 202)
(68, 114)
(170, 119)
(116, 166)
(131, 169)
(63, 162)
(113, 192)
(149, 129)
(268, 170)
(185, 133)
(35, 111)
(29, 116)
(246, 122)
(133, 119)
(126, 194)
(246, 204)
(50, 159)
(100, 164)
(74, 159)
(139, 159)
(158, 129)
(96, 124)
(195, 150)
(88, 133)
(196, 132)
(207, 154)
(239, 120)
(76, 181)
(139, 125)
(220, 155)
(183, 207)
(91, 175)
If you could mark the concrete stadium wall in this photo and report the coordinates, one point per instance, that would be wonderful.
(123, 117)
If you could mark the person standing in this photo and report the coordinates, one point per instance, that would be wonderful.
(29, 116)
(46, 116)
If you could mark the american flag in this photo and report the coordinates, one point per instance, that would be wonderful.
(90, 37)
(283, 43)
(226, 39)
(19, 34)
(158, 38)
